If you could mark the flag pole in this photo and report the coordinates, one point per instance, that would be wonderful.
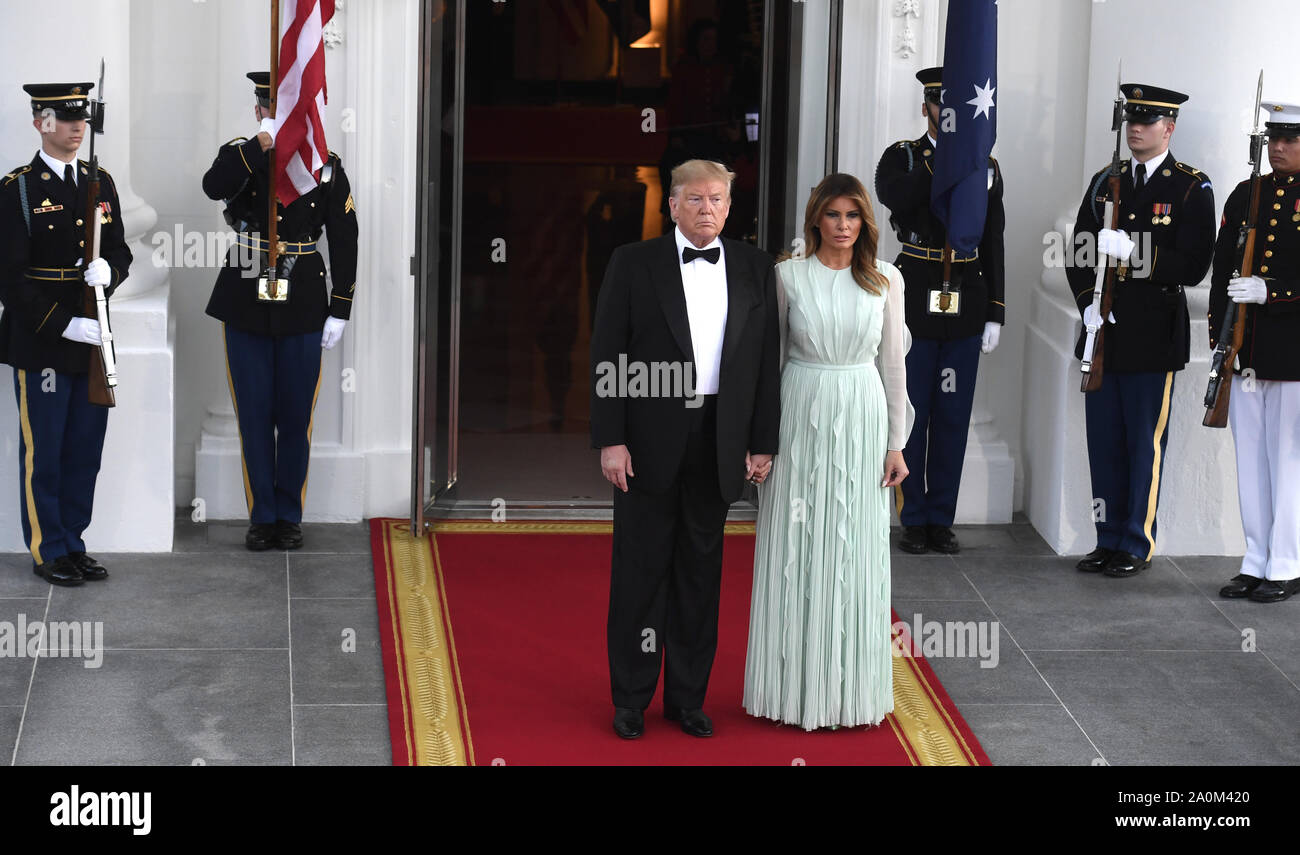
(272, 274)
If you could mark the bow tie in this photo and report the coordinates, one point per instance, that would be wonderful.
(690, 253)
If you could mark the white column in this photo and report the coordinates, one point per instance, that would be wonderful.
(1198, 505)
(885, 44)
(360, 461)
(134, 503)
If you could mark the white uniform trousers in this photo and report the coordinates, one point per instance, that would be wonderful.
(1265, 419)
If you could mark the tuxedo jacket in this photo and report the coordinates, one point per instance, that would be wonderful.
(641, 321)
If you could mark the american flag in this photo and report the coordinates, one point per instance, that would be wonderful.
(300, 97)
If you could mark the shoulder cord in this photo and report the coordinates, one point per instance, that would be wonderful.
(22, 197)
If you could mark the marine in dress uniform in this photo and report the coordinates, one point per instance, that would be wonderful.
(943, 361)
(273, 349)
(44, 335)
(1264, 409)
(1164, 245)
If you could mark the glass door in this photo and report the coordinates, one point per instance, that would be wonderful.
(549, 130)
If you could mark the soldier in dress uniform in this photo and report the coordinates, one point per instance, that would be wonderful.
(44, 335)
(943, 361)
(273, 347)
(1264, 409)
(1162, 246)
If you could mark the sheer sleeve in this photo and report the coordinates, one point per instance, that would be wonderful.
(895, 341)
(782, 309)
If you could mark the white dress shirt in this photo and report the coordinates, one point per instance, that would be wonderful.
(705, 286)
(1152, 165)
(56, 165)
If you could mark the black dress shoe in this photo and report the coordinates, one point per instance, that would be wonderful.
(91, 570)
(260, 536)
(1123, 564)
(694, 722)
(914, 540)
(1275, 592)
(288, 535)
(1240, 586)
(628, 724)
(60, 571)
(941, 539)
(1095, 561)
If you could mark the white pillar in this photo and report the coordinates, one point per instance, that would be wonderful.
(360, 460)
(885, 44)
(1198, 505)
(134, 505)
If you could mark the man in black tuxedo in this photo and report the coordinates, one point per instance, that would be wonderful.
(685, 407)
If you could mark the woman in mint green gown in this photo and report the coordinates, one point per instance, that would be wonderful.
(819, 630)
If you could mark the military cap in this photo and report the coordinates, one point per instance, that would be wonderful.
(932, 80)
(1283, 119)
(70, 101)
(261, 86)
(1145, 104)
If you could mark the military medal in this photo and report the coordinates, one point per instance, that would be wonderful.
(1161, 211)
(1295, 218)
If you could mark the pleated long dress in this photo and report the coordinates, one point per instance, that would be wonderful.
(819, 628)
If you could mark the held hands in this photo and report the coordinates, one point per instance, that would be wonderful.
(1248, 289)
(757, 467)
(333, 332)
(895, 468)
(1116, 244)
(83, 330)
(992, 332)
(98, 273)
(1092, 317)
(616, 465)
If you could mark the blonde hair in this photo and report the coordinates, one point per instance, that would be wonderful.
(699, 170)
(863, 265)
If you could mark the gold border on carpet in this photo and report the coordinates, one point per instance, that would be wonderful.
(431, 690)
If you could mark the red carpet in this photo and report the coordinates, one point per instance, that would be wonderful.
(494, 652)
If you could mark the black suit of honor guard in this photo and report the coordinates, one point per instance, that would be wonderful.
(943, 361)
(1167, 213)
(273, 349)
(45, 336)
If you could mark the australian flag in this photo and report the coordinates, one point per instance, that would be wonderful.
(968, 122)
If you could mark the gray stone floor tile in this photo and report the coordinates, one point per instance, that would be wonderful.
(1048, 605)
(331, 576)
(184, 601)
(9, 720)
(1204, 709)
(1028, 734)
(1011, 679)
(17, 578)
(323, 673)
(160, 707)
(922, 577)
(342, 735)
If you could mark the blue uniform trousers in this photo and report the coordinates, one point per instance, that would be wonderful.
(1128, 426)
(935, 451)
(274, 381)
(60, 440)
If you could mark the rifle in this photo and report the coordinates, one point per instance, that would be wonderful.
(103, 359)
(1219, 391)
(1103, 289)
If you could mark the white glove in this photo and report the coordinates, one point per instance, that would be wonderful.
(1248, 289)
(98, 273)
(992, 331)
(1091, 316)
(333, 332)
(1115, 244)
(84, 330)
(267, 127)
